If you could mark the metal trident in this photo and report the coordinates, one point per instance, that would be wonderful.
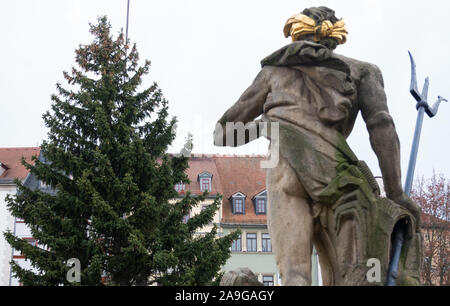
(422, 107)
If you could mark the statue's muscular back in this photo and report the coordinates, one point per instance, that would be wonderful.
(279, 93)
(294, 97)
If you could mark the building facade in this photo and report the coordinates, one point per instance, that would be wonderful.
(10, 169)
(241, 182)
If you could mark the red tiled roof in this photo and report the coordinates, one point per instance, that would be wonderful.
(241, 174)
(197, 165)
(231, 174)
(11, 158)
(427, 220)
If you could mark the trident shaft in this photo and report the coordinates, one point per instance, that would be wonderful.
(422, 107)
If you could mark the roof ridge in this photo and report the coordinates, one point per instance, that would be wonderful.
(240, 155)
(213, 155)
(17, 148)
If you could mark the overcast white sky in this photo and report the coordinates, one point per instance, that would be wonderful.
(206, 53)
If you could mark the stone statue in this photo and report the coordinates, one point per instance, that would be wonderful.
(240, 277)
(319, 193)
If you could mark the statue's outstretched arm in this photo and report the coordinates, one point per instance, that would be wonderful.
(245, 110)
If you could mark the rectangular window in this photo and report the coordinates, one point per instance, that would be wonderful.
(31, 241)
(205, 206)
(179, 187)
(268, 280)
(17, 254)
(261, 206)
(266, 244)
(205, 184)
(186, 218)
(236, 246)
(251, 242)
(238, 206)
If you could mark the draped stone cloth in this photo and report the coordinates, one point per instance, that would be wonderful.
(314, 120)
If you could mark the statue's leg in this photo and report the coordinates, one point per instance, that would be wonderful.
(325, 252)
(290, 225)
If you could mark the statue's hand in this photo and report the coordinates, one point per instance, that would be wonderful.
(403, 200)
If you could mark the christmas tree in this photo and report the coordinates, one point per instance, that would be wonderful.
(113, 181)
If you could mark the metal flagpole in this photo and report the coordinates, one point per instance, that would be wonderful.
(422, 107)
(126, 28)
(126, 39)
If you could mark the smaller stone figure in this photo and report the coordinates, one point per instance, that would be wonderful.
(240, 277)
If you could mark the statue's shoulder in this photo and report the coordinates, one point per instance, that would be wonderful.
(360, 69)
(269, 72)
(268, 69)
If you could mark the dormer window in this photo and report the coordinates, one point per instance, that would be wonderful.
(261, 206)
(260, 202)
(3, 168)
(43, 185)
(205, 180)
(238, 203)
(205, 184)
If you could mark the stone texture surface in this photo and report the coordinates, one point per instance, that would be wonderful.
(320, 193)
(240, 277)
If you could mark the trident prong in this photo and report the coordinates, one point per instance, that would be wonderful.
(422, 98)
(435, 107)
(425, 90)
(413, 87)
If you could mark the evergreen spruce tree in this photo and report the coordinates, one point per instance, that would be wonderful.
(112, 203)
